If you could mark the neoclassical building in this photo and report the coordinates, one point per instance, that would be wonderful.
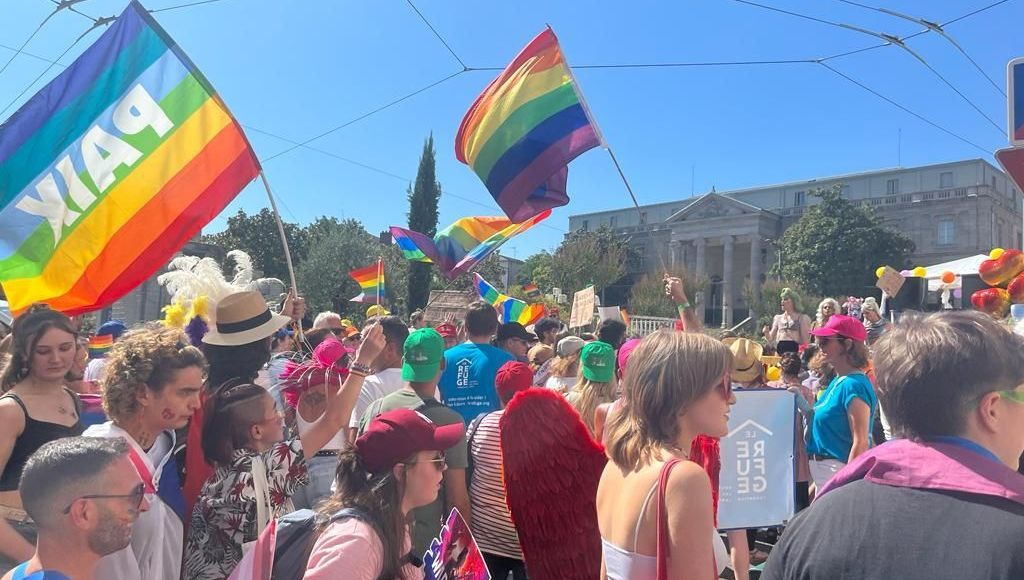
(949, 210)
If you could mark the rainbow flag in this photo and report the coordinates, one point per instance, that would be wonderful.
(371, 282)
(532, 291)
(521, 133)
(509, 309)
(100, 345)
(459, 247)
(108, 170)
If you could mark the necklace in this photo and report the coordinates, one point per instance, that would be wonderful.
(676, 449)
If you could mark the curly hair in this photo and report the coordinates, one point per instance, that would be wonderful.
(820, 315)
(791, 295)
(148, 356)
(28, 329)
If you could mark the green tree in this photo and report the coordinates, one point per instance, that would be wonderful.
(835, 247)
(257, 235)
(423, 198)
(596, 257)
(647, 296)
(536, 269)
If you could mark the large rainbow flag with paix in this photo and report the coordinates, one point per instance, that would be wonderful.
(111, 168)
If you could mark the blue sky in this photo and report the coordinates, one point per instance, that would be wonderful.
(298, 69)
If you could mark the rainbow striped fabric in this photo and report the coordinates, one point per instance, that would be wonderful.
(459, 247)
(111, 168)
(509, 309)
(100, 345)
(371, 282)
(532, 291)
(521, 133)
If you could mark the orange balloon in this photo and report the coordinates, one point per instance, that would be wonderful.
(948, 277)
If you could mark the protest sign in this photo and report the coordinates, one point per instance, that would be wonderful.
(890, 282)
(756, 481)
(583, 304)
(454, 555)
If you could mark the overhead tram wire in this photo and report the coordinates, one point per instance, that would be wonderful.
(938, 29)
(33, 55)
(188, 5)
(21, 48)
(437, 34)
(894, 40)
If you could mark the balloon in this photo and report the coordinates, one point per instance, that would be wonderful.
(906, 273)
(919, 272)
(879, 271)
(773, 373)
(995, 253)
(958, 292)
(948, 277)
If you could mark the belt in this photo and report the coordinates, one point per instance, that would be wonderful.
(327, 453)
(15, 515)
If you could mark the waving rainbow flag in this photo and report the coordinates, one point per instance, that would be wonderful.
(521, 133)
(371, 282)
(111, 168)
(459, 247)
(509, 309)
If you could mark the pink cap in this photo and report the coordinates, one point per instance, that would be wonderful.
(624, 351)
(842, 326)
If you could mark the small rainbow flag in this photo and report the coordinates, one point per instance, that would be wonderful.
(532, 291)
(371, 282)
(510, 309)
(111, 168)
(521, 133)
(459, 247)
(100, 345)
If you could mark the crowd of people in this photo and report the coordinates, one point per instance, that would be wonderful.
(568, 455)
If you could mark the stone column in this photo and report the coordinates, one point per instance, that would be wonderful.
(727, 287)
(699, 265)
(676, 252)
(755, 271)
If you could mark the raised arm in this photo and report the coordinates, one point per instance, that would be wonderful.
(687, 314)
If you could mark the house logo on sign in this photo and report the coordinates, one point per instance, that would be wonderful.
(462, 373)
(751, 466)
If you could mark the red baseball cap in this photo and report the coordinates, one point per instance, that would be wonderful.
(512, 377)
(842, 326)
(392, 437)
(447, 330)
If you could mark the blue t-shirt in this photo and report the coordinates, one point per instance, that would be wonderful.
(830, 430)
(19, 574)
(467, 383)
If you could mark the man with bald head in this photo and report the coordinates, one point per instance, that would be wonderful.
(84, 494)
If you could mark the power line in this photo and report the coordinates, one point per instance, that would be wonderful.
(365, 115)
(905, 110)
(35, 56)
(436, 33)
(69, 4)
(42, 74)
(189, 5)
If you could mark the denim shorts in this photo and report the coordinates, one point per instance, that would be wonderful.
(321, 471)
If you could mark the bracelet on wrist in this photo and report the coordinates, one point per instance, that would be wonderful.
(360, 370)
(682, 306)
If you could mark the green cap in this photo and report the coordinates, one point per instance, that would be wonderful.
(422, 355)
(598, 361)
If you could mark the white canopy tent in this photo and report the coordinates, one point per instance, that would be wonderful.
(960, 267)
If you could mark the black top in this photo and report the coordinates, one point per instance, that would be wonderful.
(35, 435)
(865, 531)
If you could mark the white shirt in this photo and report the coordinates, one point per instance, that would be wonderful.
(157, 536)
(376, 386)
(95, 370)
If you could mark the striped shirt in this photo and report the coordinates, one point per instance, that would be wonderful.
(492, 524)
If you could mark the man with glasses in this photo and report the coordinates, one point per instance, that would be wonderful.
(945, 501)
(514, 339)
(84, 495)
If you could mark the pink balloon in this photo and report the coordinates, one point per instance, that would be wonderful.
(958, 293)
(906, 273)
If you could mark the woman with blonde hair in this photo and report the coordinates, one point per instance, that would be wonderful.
(826, 308)
(596, 385)
(563, 370)
(654, 505)
(791, 328)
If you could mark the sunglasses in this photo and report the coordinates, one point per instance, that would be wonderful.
(1013, 395)
(135, 497)
(437, 461)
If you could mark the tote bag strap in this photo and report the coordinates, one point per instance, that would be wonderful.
(663, 549)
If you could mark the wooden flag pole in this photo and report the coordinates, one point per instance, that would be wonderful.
(280, 230)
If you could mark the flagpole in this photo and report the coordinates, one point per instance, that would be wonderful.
(604, 143)
(380, 279)
(280, 230)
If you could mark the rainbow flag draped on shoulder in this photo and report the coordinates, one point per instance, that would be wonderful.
(509, 309)
(371, 282)
(111, 168)
(459, 247)
(521, 133)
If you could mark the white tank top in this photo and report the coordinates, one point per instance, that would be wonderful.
(337, 443)
(625, 565)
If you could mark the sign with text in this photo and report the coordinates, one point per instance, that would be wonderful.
(891, 282)
(583, 304)
(756, 481)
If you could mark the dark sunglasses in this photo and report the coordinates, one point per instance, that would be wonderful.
(135, 497)
(437, 461)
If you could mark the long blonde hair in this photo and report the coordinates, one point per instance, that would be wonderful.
(587, 396)
(668, 372)
(565, 366)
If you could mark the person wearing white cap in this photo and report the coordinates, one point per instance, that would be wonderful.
(565, 366)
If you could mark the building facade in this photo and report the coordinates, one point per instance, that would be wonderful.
(949, 210)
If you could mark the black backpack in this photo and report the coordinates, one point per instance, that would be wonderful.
(296, 536)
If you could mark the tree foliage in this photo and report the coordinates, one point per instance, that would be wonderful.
(537, 269)
(834, 248)
(596, 257)
(257, 235)
(423, 199)
(647, 296)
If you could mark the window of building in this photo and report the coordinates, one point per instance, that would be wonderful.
(890, 200)
(928, 196)
(943, 195)
(613, 221)
(947, 231)
(798, 198)
(993, 182)
(906, 198)
(946, 179)
(585, 225)
(643, 218)
(892, 186)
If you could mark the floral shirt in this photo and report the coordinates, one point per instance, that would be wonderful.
(225, 516)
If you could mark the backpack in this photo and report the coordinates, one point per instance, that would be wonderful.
(296, 536)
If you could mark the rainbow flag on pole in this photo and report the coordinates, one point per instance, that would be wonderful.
(371, 282)
(108, 170)
(100, 345)
(509, 309)
(459, 247)
(521, 133)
